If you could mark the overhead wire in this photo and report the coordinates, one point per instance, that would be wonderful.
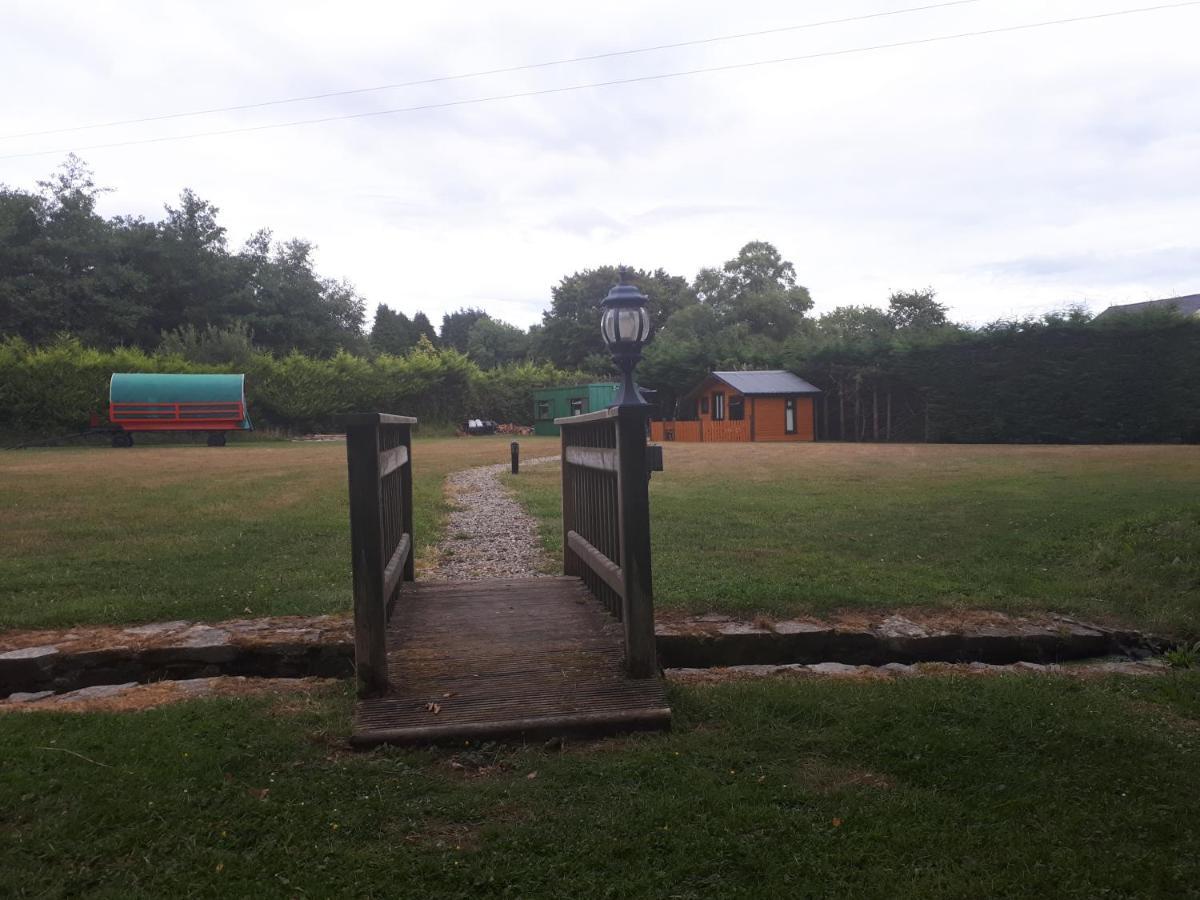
(487, 72)
(660, 76)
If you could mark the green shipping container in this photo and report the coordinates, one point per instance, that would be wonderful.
(552, 403)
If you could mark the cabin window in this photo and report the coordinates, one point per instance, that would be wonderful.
(737, 408)
(789, 415)
(704, 406)
(718, 406)
(576, 406)
(543, 409)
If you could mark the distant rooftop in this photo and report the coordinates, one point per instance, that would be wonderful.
(1185, 306)
(775, 381)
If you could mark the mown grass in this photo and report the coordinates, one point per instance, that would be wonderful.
(191, 532)
(1105, 532)
(923, 788)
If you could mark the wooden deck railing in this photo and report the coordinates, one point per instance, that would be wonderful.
(726, 430)
(606, 521)
(379, 459)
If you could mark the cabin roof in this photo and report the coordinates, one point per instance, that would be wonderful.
(1186, 306)
(773, 381)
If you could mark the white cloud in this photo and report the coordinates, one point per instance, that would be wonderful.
(1012, 172)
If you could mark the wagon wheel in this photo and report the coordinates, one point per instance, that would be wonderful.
(122, 439)
(216, 439)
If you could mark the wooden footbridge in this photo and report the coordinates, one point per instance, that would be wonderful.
(507, 657)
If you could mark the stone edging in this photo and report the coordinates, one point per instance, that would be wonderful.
(322, 646)
(707, 641)
(1087, 669)
(284, 647)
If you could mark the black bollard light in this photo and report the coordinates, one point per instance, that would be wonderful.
(515, 449)
(626, 328)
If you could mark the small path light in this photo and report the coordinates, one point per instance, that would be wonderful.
(626, 328)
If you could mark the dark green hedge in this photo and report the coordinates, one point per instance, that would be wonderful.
(1070, 383)
(55, 389)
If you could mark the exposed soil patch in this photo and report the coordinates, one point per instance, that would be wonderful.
(824, 777)
(132, 697)
(445, 836)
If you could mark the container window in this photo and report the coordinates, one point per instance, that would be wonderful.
(718, 407)
(737, 408)
(576, 406)
(543, 409)
(789, 415)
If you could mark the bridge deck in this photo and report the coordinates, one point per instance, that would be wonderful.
(486, 659)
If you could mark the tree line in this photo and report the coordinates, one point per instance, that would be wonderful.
(174, 289)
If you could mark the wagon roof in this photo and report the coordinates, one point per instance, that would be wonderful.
(774, 381)
(140, 387)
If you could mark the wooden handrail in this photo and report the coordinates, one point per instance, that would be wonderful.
(391, 460)
(600, 415)
(374, 419)
(379, 467)
(600, 459)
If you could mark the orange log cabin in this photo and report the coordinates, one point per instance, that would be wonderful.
(745, 406)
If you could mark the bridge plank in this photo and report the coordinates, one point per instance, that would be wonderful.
(502, 658)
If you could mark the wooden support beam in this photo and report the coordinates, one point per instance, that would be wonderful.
(609, 571)
(394, 570)
(599, 458)
(391, 460)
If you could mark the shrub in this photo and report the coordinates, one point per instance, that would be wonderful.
(55, 389)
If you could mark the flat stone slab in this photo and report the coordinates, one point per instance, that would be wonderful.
(29, 653)
(897, 670)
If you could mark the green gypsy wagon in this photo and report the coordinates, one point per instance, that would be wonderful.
(214, 404)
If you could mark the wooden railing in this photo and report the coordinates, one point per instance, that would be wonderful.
(606, 521)
(379, 458)
(725, 430)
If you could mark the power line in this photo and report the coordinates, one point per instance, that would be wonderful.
(501, 71)
(617, 81)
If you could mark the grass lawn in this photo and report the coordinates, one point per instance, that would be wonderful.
(923, 788)
(175, 532)
(1103, 532)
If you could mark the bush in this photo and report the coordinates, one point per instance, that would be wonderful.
(55, 389)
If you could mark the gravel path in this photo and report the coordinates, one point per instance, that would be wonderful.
(489, 535)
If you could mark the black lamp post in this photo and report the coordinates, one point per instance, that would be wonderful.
(626, 328)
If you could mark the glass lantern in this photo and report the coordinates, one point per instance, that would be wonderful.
(625, 327)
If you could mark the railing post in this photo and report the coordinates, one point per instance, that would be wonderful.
(570, 565)
(406, 501)
(633, 514)
(366, 540)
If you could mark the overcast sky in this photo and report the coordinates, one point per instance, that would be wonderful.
(1015, 173)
